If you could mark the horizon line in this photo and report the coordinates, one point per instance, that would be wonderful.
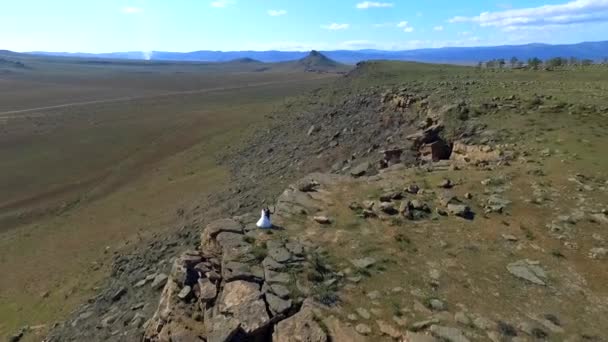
(304, 51)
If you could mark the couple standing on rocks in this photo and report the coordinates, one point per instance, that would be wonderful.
(264, 221)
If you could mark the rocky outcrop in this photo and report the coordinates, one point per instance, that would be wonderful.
(235, 287)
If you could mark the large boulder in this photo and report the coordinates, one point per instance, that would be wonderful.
(170, 321)
(301, 327)
(222, 329)
(209, 243)
(528, 270)
(243, 301)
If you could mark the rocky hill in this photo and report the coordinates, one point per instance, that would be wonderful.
(412, 203)
(316, 61)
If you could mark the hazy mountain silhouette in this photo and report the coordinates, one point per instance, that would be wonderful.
(591, 50)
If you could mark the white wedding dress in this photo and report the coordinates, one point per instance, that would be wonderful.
(264, 221)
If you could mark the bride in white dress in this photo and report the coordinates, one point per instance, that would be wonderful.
(264, 221)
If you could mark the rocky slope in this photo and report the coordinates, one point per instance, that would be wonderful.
(433, 218)
(384, 258)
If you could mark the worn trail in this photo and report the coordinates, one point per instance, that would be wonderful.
(8, 114)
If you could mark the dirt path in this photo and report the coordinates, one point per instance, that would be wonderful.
(8, 114)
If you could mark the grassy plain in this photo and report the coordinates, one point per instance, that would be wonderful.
(95, 155)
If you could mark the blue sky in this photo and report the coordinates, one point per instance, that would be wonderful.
(188, 25)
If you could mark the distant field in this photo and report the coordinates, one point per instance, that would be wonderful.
(83, 176)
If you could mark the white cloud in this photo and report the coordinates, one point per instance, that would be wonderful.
(405, 26)
(132, 10)
(276, 13)
(438, 28)
(573, 12)
(222, 3)
(363, 44)
(335, 26)
(372, 4)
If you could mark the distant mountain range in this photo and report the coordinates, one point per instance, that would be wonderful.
(597, 51)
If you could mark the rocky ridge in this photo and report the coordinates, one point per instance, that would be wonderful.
(391, 140)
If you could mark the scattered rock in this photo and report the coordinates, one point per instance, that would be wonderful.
(339, 331)
(363, 262)
(311, 130)
(109, 320)
(415, 337)
(369, 205)
(277, 305)
(307, 185)
(387, 329)
(373, 295)
(363, 329)
(532, 329)
(388, 208)
(363, 313)
(360, 169)
(400, 320)
(322, 219)
(299, 327)
(413, 189)
(510, 238)
(483, 323)
(119, 293)
(461, 210)
(497, 204)
(185, 292)
(446, 184)
(159, 281)
(462, 318)
(437, 304)
(528, 270)
(448, 334)
(598, 253)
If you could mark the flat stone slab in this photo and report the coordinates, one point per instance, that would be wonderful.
(280, 254)
(448, 334)
(276, 277)
(528, 270)
(270, 264)
(363, 262)
(223, 225)
(277, 305)
(242, 301)
(233, 270)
